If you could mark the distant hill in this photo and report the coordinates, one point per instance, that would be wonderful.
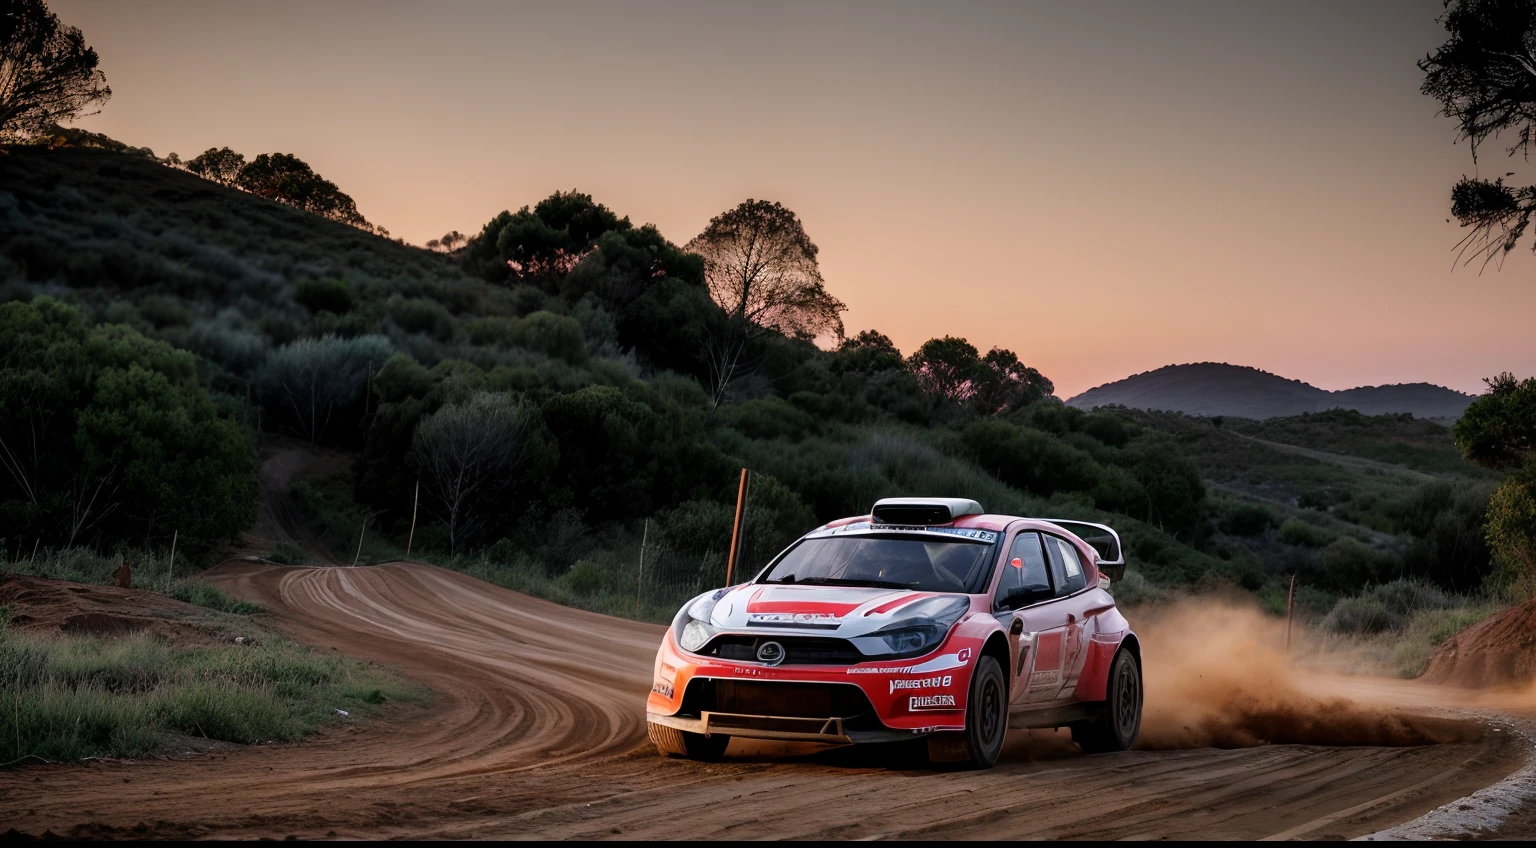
(1216, 388)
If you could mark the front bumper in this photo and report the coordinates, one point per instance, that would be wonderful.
(829, 704)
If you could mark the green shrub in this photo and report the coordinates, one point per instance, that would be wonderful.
(103, 409)
(586, 578)
(288, 553)
(324, 295)
(419, 315)
(1247, 520)
(1387, 607)
(1348, 563)
(1294, 531)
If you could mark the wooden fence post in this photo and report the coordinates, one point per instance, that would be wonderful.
(640, 571)
(414, 503)
(741, 508)
(360, 534)
(1290, 604)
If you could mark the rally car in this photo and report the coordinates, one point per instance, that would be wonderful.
(926, 621)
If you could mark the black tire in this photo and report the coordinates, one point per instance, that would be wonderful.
(672, 742)
(986, 722)
(1119, 723)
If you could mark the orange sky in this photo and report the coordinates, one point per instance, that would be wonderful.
(1105, 189)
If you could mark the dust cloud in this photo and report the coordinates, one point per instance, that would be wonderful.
(1217, 675)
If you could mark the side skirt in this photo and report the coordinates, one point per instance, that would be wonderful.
(1020, 718)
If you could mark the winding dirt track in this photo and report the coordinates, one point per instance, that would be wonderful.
(537, 732)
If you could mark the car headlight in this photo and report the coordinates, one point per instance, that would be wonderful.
(923, 625)
(691, 627)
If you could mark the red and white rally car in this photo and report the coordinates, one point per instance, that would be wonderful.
(925, 618)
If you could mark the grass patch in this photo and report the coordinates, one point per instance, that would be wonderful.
(1429, 629)
(287, 553)
(68, 698)
(151, 573)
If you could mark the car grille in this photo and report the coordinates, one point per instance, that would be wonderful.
(773, 698)
(798, 650)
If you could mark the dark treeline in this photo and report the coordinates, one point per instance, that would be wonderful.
(566, 375)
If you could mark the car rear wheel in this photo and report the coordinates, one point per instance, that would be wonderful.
(1119, 723)
(672, 742)
(986, 722)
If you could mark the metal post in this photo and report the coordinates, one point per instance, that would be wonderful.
(170, 570)
(414, 503)
(640, 571)
(741, 508)
(1290, 604)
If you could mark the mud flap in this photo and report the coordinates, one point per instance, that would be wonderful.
(948, 748)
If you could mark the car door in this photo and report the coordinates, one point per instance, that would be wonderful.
(1070, 580)
(1024, 594)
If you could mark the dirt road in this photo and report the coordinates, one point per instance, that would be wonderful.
(537, 732)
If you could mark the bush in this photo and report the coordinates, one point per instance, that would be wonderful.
(124, 443)
(324, 295)
(1247, 520)
(311, 383)
(1348, 563)
(1294, 531)
(1387, 607)
(288, 553)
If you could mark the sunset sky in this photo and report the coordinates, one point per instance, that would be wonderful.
(1104, 188)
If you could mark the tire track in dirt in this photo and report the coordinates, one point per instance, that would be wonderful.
(537, 731)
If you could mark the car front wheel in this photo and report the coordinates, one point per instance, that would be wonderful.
(1119, 723)
(986, 722)
(680, 743)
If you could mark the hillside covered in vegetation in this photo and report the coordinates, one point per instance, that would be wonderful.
(567, 384)
(1216, 388)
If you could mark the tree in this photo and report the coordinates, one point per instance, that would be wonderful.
(761, 268)
(1004, 383)
(288, 179)
(107, 437)
(1499, 431)
(1484, 76)
(539, 245)
(47, 73)
(221, 165)
(869, 351)
(467, 453)
(947, 369)
(306, 382)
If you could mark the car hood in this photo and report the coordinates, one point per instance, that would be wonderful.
(842, 611)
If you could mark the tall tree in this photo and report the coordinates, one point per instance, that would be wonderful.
(47, 73)
(761, 268)
(1484, 76)
(467, 453)
(1004, 383)
(948, 369)
(220, 165)
(1499, 431)
(288, 179)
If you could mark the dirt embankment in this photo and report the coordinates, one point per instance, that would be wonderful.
(42, 605)
(1499, 651)
(538, 726)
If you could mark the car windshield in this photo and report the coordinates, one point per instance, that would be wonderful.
(897, 562)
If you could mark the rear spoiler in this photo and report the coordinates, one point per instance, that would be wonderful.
(1102, 539)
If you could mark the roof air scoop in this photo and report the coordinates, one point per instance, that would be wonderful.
(922, 511)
